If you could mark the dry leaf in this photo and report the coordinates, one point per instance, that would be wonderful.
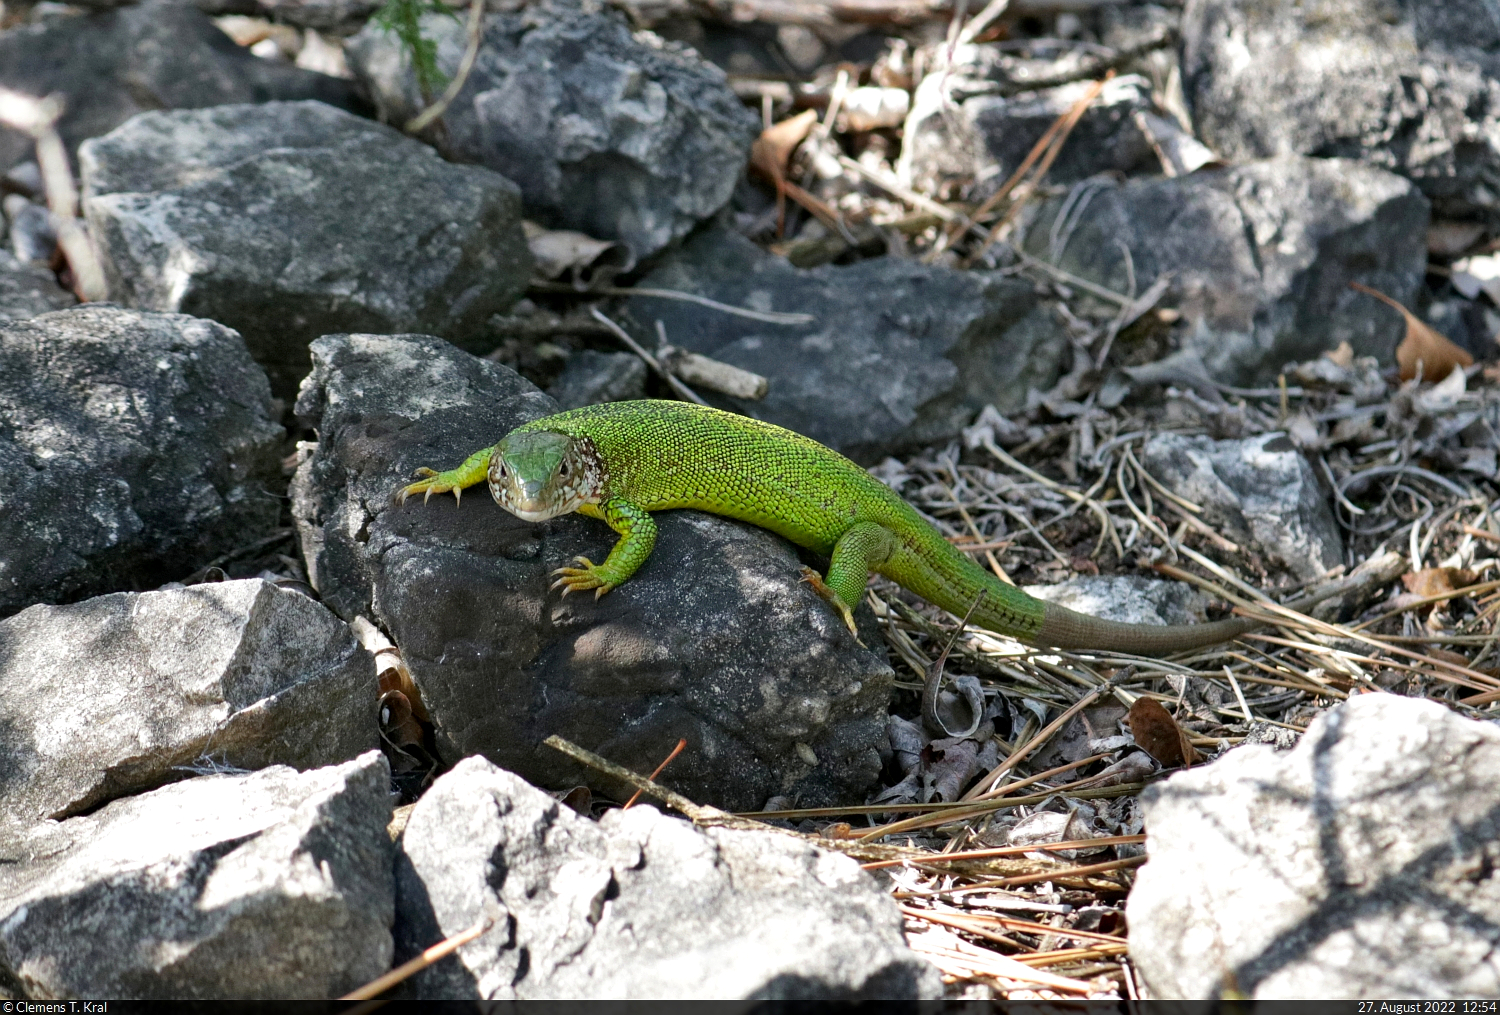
(1436, 355)
(1134, 767)
(1437, 581)
(1158, 734)
(1342, 356)
(397, 724)
(557, 251)
(771, 151)
(580, 799)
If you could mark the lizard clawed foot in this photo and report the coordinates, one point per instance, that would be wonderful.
(821, 588)
(437, 483)
(589, 576)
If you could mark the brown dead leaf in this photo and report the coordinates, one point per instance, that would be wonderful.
(1435, 353)
(1437, 581)
(771, 151)
(397, 724)
(580, 799)
(1158, 734)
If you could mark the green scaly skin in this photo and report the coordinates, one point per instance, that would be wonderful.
(621, 461)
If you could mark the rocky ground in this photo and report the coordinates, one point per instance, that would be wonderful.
(1162, 311)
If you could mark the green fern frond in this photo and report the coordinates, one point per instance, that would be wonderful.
(403, 19)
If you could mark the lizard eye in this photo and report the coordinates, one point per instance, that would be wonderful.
(562, 470)
(502, 472)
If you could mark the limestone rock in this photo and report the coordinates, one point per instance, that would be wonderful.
(275, 884)
(636, 905)
(616, 134)
(1359, 865)
(1410, 87)
(134, 448)
(1260, 256)
(1258, 492)
(111, 64)
(123, 693)
(899, 355)
(290, 220)
(716, 638)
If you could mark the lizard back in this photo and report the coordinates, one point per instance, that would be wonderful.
(662, 455)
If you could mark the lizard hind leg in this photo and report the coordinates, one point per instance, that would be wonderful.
(861, 549)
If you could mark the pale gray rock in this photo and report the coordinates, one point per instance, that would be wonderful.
(126, 692)
(135, 447)
(290, 220)
(716, 639)
(956, 143)
(1258, 492)
(592, 377)
(109, 65)
(637, 905)
(900, 355)
(616, 134)
(27, 290)
(275, 884)
(1129, 599)
(1359, 865)
(1260, 255)
(1412, 86)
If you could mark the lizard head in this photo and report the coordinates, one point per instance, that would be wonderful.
(538, 475)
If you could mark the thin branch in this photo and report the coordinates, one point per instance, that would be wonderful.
(475, 29)
(38, 118)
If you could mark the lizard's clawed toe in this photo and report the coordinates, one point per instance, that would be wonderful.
(580, 579)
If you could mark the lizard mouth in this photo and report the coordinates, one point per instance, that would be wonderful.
(528, 509)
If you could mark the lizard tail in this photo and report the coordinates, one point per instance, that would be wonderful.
(1065, 628)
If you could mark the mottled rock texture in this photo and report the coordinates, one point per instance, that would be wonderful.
(135, 447)
(716, 639)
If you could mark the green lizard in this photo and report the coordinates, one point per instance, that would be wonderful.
(620, 461)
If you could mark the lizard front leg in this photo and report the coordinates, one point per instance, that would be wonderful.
(473, 470)
(637, 538)
(859, 551)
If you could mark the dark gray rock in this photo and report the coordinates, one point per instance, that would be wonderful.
(292, 220)
(1129, 599)
(1410, 86)
(959, 144)
(124, 693)
(32, 239)
(29, 289)
(134, 448)
(1261, 256)
(330, 17)
(622, 136)
(715, 639)
(1359, 865)
(109, 65)
(1258, 492)
(635, 905)
(591, 377)
(275, 884)
(901, 354)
